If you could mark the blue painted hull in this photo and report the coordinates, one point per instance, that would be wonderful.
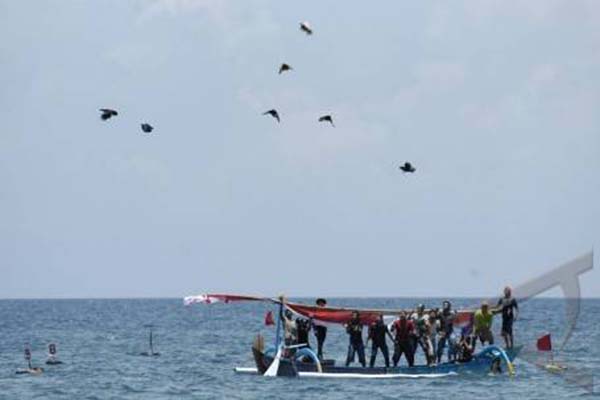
(481, 363)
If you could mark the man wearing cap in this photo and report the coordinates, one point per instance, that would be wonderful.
(483, 325)
(320, 330)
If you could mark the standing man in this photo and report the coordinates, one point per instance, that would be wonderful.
(404, 329)
(421, 320)
(354, 329)
(483, 325)
(434, 327)
(446, 333)
(510, 311)
(377, 333)
(320, 330)
(289, 325)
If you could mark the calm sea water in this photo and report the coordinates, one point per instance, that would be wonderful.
(100, 341)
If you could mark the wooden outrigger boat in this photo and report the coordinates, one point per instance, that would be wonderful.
(489, 359)
(302, 361)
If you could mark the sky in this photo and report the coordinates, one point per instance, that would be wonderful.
(494, 102)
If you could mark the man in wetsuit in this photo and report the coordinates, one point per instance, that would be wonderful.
(404, 329)
(510, 311)
(354, 329)
(446, 334)
(302, 330)
(320, 330)
(377, 333)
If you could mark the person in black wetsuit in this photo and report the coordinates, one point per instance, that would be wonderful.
(377, 333)
(320, 330)
(510, 311)
(302, 330)
(354, 329)
(446, 332)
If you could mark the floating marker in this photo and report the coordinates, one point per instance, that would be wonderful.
(52, 355)
(150, 353)
(28, 355)
(30, 370)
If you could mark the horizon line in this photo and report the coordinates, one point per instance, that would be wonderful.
(292, 297)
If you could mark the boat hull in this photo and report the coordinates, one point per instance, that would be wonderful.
(481, 363)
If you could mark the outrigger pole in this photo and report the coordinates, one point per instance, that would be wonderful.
(278, 329)
(273, 369)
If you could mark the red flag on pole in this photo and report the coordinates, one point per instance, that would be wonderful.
(269, 318)
(544, 343)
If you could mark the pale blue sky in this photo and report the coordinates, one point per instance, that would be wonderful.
(495, 102)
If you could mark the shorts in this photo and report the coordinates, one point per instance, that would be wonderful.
(485, 335)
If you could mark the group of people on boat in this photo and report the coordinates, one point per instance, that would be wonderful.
(432, 330)
(296, 331)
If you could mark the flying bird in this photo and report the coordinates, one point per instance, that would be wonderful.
(107, 113)
(327, 118)
(273, 113)
(305, 27)
(407, 167)
(284, 67)
(147, 128)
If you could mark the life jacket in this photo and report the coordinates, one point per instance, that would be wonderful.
(403, 329)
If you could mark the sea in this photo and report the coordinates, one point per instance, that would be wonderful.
(100, 341)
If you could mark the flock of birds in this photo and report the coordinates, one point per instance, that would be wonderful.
(304, 27)
(108, 113)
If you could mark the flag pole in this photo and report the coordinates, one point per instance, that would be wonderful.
(278, 329)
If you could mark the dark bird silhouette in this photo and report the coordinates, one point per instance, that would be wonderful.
(305, 27)
(107, 113)
(273, 113)
(327, 118)
(284, 67)
(407, 167)
(147, 127)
